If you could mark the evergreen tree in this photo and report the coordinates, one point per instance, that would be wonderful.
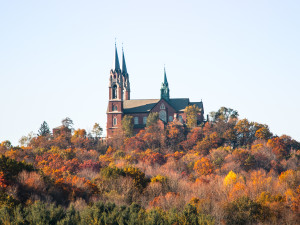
(127, 126)
(44, 129)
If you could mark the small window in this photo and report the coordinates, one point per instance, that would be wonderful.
(145, 120)
(136, 120)
(170, 118)
(163, 115)
(115, 121)
(115, 108)
(180, 119)
(114, 92)
(162, 106)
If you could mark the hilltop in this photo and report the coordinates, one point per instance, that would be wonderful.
(193, 174)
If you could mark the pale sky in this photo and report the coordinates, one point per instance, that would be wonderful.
(55, 58)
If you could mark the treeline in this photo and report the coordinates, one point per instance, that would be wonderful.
(224, 171)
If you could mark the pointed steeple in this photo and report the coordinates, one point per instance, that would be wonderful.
(165, 77)
(124, 69)
(116, 64)
(164, 90)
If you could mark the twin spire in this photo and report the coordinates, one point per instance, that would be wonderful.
(164, 91)
(116, 64)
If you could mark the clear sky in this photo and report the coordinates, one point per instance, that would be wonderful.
(55, 58)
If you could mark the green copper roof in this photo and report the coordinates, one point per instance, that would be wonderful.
(116, 64)
(124, 69)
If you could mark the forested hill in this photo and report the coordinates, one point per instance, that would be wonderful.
(224, 171)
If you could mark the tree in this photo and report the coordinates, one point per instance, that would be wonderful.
(263, 133)
(152, 119)
(97, 130)
(127, 126)
(67, 122)
(224, 114)
(203, 167)
(44, 129)
(191, 115)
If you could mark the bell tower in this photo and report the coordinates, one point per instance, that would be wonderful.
(117, 94)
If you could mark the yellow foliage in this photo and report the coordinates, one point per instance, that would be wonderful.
(288, 177)
(159, 178)
(230, 179)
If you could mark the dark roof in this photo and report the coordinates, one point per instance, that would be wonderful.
(199, 104)
(179, 104)
(145, 105)
(116, 64)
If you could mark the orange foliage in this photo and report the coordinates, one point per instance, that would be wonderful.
(203, 167)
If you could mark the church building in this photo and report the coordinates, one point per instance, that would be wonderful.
(120, 104)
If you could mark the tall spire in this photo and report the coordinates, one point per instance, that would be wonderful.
(116, 64)
(165, 77)
(124, 69)
(164, 90)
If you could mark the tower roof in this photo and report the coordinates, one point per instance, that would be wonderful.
(124, 68)
(164, 90)
(116, 64)
(165, 77)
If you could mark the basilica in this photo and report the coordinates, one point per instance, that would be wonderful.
(120, 104)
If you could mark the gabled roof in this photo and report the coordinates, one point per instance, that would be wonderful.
(179, 104)
(139, 105)
(199, 104)
(145, 105)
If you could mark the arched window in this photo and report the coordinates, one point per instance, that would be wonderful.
(163, 115)
(170, 118)
(162, 106)
(180, 119)
(114, 91)
(115, 108)
(144, 119)
(115, 121)
(136, 120)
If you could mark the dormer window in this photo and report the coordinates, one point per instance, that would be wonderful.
(162, 106)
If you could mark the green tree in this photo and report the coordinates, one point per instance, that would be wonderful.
(97, 130)
(224, 114)
(191, 115)
(152, 119)
(245, 211)
(127, 125)
(44, 129)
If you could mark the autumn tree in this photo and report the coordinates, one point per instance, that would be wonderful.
(127, 125)
(191, 115)
(263, 133)
(44, 129)
(203, 166)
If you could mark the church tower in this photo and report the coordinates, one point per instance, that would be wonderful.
(164, 90)
(119, 90)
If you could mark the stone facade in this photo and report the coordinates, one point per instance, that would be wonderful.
(120, 104)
